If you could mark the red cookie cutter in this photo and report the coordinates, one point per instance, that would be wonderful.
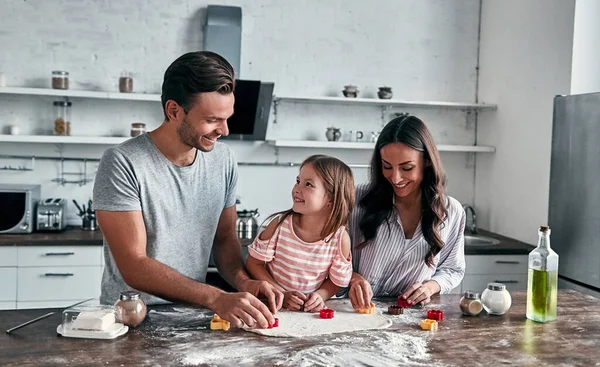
(326, 313)
(402, 302)
(437, 315)
(275, 324)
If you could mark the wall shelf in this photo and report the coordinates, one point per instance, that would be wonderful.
(387, 102)
(81, 94)
(51, 139)
(156, 98)
(370, 146)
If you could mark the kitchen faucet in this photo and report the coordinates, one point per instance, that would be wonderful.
(473, 227)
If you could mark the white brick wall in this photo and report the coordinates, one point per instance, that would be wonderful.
(425, 50)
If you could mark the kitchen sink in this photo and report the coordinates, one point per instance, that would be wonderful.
(477, 240)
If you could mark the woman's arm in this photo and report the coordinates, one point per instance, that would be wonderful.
(451, 268)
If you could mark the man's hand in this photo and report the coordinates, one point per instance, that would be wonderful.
(294, 300)
(265, 289)
(241, 309)
(360, 292)
(314, 302)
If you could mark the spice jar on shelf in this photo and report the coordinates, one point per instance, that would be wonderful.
(60, 80)
(62, 118)
(125, 83)
(137, 129)
(130, 309)
(470, 304)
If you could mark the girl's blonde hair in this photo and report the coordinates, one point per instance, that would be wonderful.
(339, 184)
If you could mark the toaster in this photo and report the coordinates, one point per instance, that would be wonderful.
(51, 214)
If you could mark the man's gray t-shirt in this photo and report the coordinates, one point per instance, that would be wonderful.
(181, 206)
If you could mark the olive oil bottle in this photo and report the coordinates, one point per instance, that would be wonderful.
(542, 280)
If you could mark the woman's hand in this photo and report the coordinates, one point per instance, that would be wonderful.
(360, 292)
(294, 300)
(420, 293)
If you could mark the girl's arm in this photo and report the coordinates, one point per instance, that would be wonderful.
(328, 289)
(258, 270)
(261, 251)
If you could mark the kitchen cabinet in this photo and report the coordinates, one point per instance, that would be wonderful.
(8, 274)
(49, 276)
(483, 269)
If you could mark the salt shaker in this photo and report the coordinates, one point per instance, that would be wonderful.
(495, 299)
(130, 309)
(470, 304)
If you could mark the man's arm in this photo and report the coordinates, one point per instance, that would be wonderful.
(228, 258)
(227, 251)
(125, 234)
(126, 237)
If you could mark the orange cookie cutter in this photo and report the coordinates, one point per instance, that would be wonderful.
(369, 310)
(218, 323)
(428, 324)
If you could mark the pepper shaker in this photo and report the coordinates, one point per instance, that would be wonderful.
(470, 304)
(130, 309)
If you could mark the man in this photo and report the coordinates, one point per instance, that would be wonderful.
(163, 198)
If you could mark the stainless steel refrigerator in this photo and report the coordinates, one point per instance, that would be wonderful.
(574, 207)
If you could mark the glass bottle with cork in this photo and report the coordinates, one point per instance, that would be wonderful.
(542, 284)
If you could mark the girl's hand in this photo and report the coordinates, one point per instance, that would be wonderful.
(294, 300)
(360, 292)
(418, 293)
(314, 303)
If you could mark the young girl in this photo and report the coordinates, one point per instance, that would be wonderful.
(305, 251)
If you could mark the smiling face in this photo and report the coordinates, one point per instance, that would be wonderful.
(402, 167)
(206, 121)
(309, 194)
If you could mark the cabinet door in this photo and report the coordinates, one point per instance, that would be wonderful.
(60, 255)
(8, 305)
(8, 256)
(477, 283)
(58, 283)
(46, 304)
(8, 290)
(496, 264)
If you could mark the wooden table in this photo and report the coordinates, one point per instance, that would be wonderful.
(174, 335)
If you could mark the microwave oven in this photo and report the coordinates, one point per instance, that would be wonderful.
(17, 207)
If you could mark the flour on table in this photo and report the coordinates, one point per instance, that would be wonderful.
(297, 324)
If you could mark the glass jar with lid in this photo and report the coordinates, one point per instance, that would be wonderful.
(470, 304)
(125, 83)
(62, 118)
(495, 299)
(60, 79)
(130, 309)
(137, 129)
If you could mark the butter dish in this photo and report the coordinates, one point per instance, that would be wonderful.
(93, 322)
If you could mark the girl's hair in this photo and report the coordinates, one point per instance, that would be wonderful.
(378, 200)
(339, 186)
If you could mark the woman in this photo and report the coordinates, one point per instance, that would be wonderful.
(407, 234)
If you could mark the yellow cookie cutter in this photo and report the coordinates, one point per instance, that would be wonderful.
(369, 310)
(429, 324)
(218, 323)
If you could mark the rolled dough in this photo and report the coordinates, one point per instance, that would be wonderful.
(297, 324)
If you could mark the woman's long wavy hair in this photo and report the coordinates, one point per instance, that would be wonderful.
(378, 201)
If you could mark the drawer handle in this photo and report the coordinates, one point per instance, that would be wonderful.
(59, 253)
(507, 281)
(59, 274)
(507, 262)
